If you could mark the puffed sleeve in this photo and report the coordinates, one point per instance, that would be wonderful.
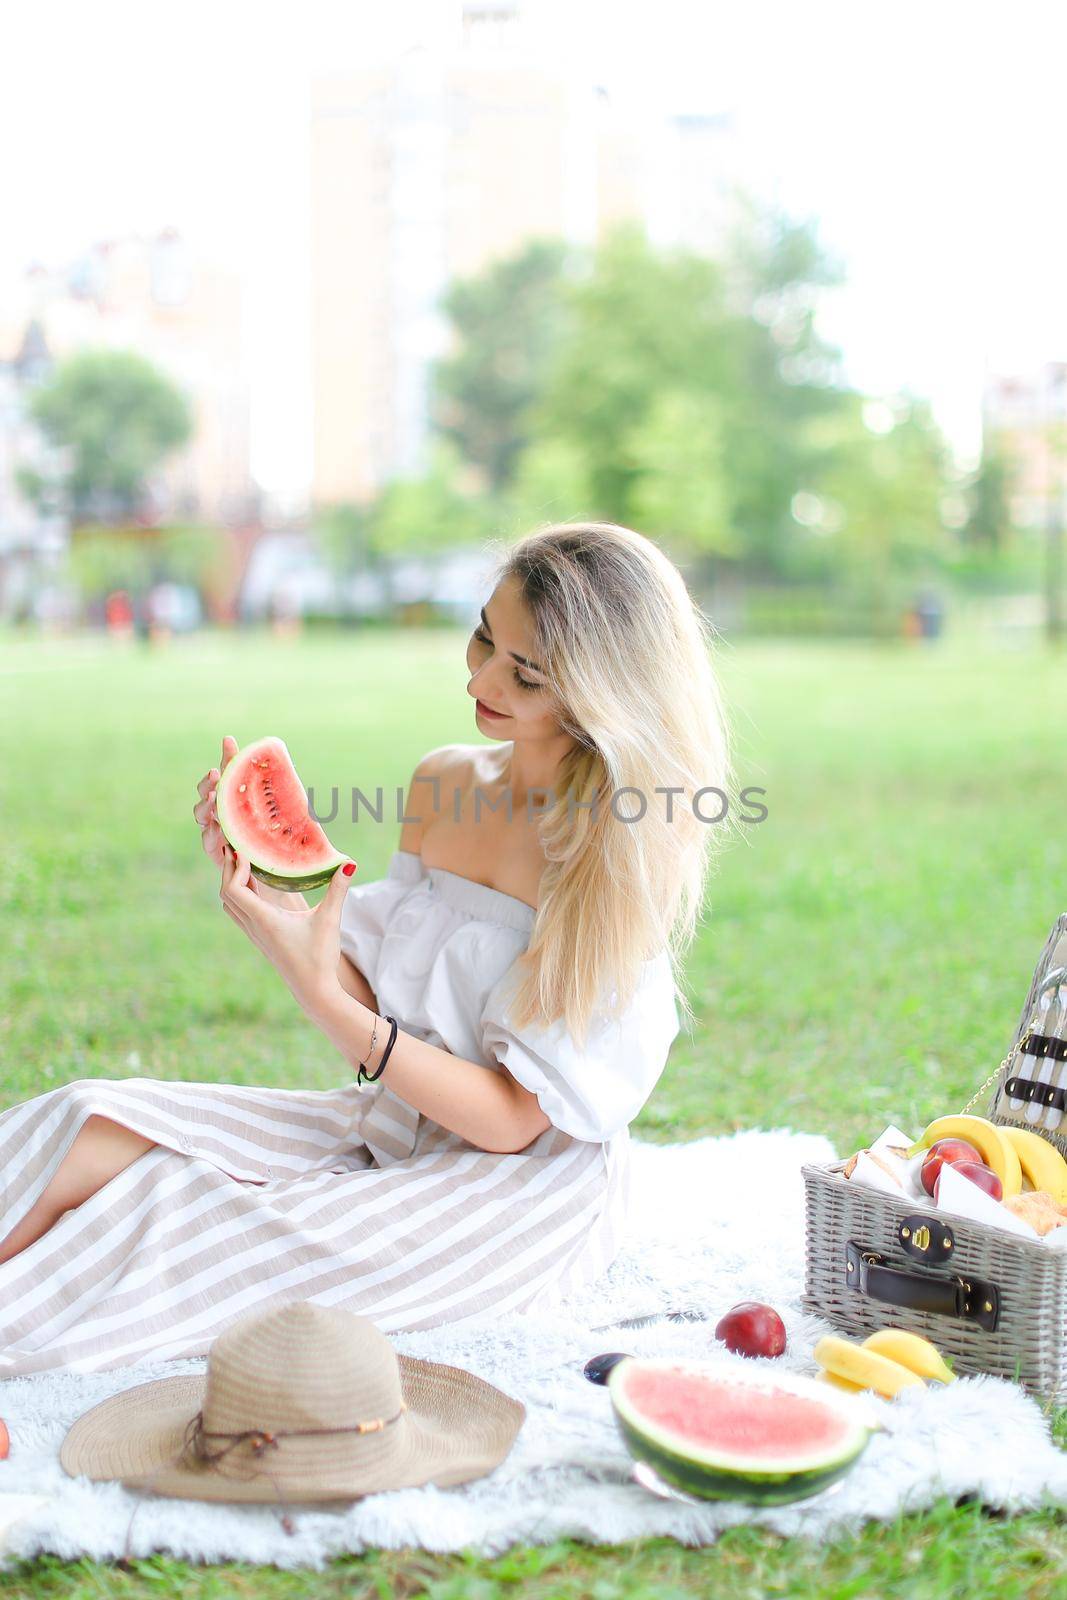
(595, 1092)
(368, 910)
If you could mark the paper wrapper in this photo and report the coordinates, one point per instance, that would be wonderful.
(959, 1197)
(891, 1173)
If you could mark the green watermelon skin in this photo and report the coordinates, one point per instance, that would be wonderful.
(295, 885)
(696, 1472)
(754, 1486)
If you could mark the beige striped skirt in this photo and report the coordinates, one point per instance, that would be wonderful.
(255, 1197)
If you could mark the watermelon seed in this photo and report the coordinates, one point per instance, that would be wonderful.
(242, 788)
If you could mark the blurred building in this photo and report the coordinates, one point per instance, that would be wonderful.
(429, 167)
(157, 297)
(1026, 418)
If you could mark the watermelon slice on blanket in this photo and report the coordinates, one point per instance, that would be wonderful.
(721, 1433)
(262, 809)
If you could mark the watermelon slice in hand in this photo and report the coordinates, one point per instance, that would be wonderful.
(262, 809)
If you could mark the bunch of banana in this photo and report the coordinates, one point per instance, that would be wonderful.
(887, 1361)
(1041, 1163)
(996, 1149)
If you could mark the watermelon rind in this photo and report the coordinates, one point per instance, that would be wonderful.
(260, 865)
(716, 1474)
(295, 885)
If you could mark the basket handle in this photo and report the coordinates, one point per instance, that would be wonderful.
(967, 1299)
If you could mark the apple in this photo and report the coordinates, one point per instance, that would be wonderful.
(752, 1329)
(951, 1150)
(975, 1172)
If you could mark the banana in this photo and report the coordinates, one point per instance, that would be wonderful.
(1041, 1162)
(912, 1351)
(840, 1383)
(988, 1139)
(866, 1368)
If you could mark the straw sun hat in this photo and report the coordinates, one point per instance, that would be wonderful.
(301, 1402)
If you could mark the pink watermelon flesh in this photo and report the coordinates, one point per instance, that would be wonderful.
(266, 809)
(738, 1419)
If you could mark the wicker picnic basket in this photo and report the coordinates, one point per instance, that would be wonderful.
(993, 1302)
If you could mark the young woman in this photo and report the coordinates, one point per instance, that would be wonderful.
(526, 939)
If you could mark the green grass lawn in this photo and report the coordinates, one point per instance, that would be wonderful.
(864, 958)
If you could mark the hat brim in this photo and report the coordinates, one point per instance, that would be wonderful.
(457, 1427)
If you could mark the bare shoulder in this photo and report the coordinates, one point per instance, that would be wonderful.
(453, 766)
(458, 762)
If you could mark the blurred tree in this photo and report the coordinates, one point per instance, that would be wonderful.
(103, 558)
(429, 513)
(640, 322)
(882, 470)
(200, 556)
(776, 267)
(112, 418)
(684, 488)
(344, 534)
(693, 398)
(988, 524)
(737, 337)
(550, 484)
(508, 322)
(788, 376)
(1052, 516)
(99, 560)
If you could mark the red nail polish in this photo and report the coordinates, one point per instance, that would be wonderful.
(348, 868)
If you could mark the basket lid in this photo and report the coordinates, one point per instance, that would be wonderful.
(1032, 1093)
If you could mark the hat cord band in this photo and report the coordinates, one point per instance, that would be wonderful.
(264, 1438)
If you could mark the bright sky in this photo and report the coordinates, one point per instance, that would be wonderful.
(926, 135)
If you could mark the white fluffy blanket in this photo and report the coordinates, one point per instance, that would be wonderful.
(706, 1234)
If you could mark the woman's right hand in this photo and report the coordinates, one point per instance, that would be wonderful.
(204, 811)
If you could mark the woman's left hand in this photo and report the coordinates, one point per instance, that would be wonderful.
(304, 944)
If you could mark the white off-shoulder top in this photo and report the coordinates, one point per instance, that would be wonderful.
(440, 953)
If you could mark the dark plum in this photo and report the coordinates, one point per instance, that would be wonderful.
(598, 1367)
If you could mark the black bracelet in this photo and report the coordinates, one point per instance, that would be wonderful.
(371, 1077)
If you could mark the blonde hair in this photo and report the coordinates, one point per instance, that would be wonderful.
(627, 654)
